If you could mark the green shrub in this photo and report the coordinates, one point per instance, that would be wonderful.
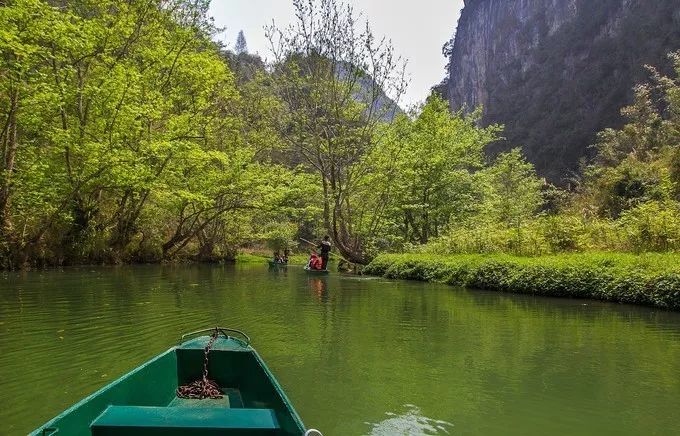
(561, 232)
(650, 279)
(652, 226)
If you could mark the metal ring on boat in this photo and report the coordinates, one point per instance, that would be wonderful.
(222, 330)
(313, 432)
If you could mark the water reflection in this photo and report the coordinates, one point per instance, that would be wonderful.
(347, 349)
(279, 269)
(409, 422)
(318, 287)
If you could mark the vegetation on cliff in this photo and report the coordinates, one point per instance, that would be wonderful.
(556, 73)
(628, 198)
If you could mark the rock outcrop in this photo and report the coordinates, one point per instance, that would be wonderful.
(555, 72)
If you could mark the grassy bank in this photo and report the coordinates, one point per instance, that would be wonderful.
(649, 279)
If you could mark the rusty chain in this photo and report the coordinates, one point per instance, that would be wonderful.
(204, 388)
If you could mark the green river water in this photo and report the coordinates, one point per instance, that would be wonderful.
(356, 355)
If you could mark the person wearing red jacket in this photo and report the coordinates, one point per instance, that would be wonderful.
(315, 261)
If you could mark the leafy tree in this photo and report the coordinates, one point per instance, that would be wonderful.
(434, 161)
(280, 235)
(333, 76)
(513, 191)
(33, 37)
(637, 163)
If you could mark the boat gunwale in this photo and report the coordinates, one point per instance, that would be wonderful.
(277, 387)
(99, 391)
(316, 271)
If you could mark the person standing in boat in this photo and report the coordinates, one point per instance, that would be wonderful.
(325, 250)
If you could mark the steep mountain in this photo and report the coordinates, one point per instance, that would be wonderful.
(556, 72)
(245, 66)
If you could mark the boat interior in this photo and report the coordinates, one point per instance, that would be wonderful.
(144, 402)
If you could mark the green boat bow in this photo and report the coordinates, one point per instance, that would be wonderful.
(145, 401)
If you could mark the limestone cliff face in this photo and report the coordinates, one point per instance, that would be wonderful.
(493, 34)
(556, 71)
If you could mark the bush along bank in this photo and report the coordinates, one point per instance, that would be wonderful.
(648, 279)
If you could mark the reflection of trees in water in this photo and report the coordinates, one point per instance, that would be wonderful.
(458, 355)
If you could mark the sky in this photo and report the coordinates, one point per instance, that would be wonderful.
(418, 29)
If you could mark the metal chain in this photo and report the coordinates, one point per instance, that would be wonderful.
(204, 388)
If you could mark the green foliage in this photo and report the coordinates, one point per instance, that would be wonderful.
(652, 226)
(503, 211)
(128, 137)
(513, 192)
(280, 235)
(652, 280)
(428, 168)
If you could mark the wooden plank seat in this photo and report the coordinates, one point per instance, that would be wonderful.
(138, 420)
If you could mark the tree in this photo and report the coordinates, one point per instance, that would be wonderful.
(241, 45)
(34, 37)
(638, 163)
(128, 150)
(435, 158)
(333, 78)
(513, 191)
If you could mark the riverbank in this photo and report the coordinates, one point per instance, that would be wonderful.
(648, 279)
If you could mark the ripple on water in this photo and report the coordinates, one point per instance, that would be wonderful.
(410, 421)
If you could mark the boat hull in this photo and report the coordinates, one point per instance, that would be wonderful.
(144, 401)
(320, 272)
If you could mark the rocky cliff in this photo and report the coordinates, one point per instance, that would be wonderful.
(556, 71)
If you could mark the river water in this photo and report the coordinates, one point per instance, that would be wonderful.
(357, 356)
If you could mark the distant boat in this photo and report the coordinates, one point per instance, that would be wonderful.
(316, 271)
(145, 401)
(275, 264)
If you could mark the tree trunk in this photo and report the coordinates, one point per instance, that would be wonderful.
(206, 252)
(8, 139)
(9, 149)
(350, 250)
